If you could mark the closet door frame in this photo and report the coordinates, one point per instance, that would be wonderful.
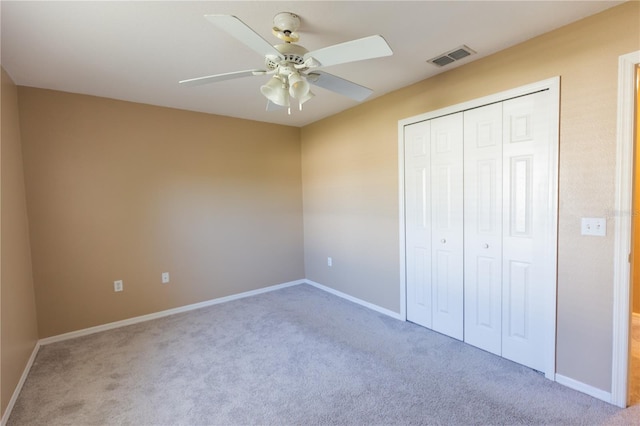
(551, 85)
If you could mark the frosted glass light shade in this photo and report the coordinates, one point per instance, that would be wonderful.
(276, 92)
(298, 86)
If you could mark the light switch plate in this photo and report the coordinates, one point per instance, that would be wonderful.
(594, 226)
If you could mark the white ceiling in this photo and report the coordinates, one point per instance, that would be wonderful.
(138, 51)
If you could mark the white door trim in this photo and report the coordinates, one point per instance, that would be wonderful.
(622, 216)
(553, 85)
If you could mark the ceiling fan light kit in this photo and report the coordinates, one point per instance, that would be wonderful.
(289, 64)
(276, 91)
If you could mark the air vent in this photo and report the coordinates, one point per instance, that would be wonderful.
(452, 56)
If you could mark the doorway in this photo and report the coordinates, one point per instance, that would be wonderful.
(627, 73)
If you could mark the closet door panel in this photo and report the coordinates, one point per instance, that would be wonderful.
(483, 227)
(447, 225)
(418, 222)
(525, 228)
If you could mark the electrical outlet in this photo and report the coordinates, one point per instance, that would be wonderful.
(165, 277)
(329, 262)
(117, 285)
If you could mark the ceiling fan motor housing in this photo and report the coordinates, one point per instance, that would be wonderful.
(293, 55)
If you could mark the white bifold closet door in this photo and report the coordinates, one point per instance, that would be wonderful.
(434, 231)
(483, 227)
(506, 160)
(478, 233)
(527, 228)
(418, 222)
(447, 247)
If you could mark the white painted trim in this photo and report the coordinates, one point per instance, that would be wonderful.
(552, 218)
(622, 226)
(155, 315)
(401, 221)
(475, 103)
(553, 85)
(584, 388)
(361, 302)
(18, 389)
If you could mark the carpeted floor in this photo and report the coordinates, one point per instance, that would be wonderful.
(290, 357)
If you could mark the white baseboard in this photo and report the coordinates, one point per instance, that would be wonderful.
(584, 388)
(155, 315)
(361, 302)
(16, 392)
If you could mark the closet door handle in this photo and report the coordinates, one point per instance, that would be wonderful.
(485, 245)
(443, 241)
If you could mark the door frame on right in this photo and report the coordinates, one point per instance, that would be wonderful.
(553, 86)
(623, 210)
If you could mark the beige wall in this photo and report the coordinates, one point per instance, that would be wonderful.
(350, 178)
(19, 332)
(119, 190)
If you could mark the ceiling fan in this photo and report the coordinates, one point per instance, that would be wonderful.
(292, 67)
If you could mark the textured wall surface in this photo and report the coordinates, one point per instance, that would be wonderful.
(18, 311)
(350, 178)
(124, 191)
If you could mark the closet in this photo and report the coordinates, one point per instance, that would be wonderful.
(480, 225)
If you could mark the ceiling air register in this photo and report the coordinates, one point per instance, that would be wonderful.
(451, 56)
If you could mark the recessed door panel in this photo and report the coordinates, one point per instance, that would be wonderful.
(443, 207)
(421, 270)
(520, 200)
(487, 194)
(518, 300)
(485, 312)
(442, 280)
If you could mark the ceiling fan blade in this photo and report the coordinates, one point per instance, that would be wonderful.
(219, 77)
(238, 29)
(339, 85)
(355, 50)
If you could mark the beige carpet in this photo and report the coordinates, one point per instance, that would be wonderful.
(296, 356)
